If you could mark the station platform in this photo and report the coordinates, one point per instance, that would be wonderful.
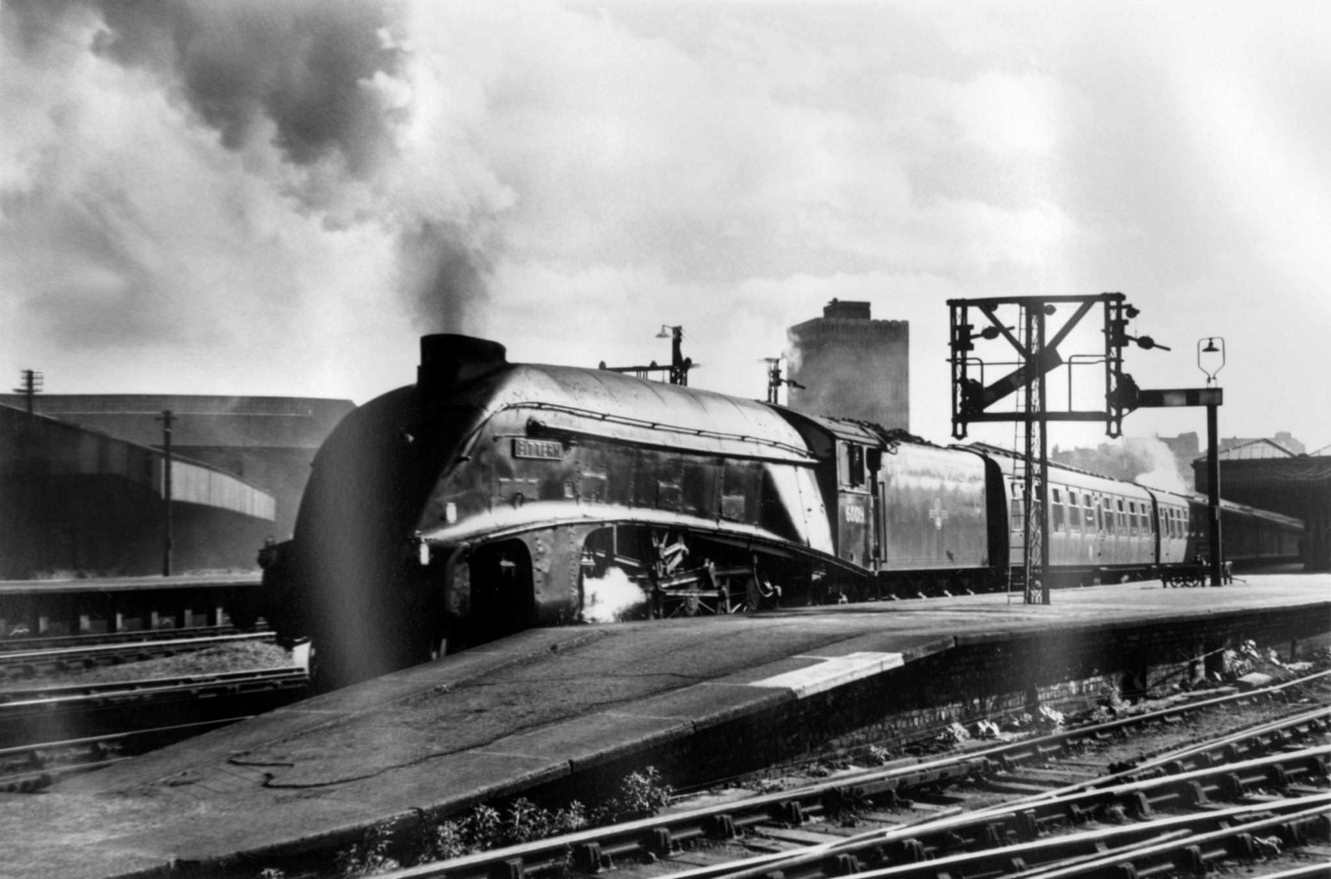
(100, 605)
(545, 705)
(101, 585)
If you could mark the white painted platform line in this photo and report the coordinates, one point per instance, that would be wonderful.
(831, 671)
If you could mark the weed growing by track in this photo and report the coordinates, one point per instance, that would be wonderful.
(391, 846)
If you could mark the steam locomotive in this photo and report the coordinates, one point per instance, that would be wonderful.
(489, 497)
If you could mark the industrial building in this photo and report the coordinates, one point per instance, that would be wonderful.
(846, 363)
(1267, 475)
(78, 502)
(267, 442)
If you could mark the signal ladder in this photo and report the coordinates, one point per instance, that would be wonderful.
(1027, 445)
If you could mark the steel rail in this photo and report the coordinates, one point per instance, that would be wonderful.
(1027, 817)
(1307, 871)
(129, 636)
(37, 761)
(95, 652)
(1194, 756)
(71, 692)
(661, 833)
(19, 751)
(1046, 745)
(1011, 754)
(926, 851)
(1202, 849)
(129, 691)
(1102, 850)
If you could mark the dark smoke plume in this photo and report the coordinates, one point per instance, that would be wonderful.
(445, 275)
(323, 82)
(300, 63)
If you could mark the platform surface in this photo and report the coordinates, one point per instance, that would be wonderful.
(530, 708)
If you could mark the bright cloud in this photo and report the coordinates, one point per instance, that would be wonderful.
(277, 197)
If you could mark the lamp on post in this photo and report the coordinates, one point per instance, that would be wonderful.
(677, 371)
(679, 364)
(1211, 354)
(1210, 360)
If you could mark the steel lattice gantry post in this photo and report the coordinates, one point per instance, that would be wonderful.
(1037, 354)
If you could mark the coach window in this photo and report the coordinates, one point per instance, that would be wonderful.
(1091, 517)
(1074, 512)
(856, 464)
(1058, 508)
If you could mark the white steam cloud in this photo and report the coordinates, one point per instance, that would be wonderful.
(1146, 460)
(611, 598)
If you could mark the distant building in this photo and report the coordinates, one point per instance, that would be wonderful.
(1283, 440)
(851, 365)
(77, 502)
(1264, 474)
(267, 441)
(1187, 447)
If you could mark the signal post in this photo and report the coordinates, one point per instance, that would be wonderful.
(1037, 354)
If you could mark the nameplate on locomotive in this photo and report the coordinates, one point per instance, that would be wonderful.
(538, 449)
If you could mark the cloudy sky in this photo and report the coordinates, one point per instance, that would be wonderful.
(279, 196)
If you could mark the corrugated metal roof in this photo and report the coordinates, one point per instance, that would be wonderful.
(1258, 449)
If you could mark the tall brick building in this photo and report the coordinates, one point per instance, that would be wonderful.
(851, 365)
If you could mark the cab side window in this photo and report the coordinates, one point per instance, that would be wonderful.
(856, 462)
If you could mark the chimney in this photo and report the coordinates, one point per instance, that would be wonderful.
(448, 359)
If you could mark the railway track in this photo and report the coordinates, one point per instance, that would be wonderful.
(27, 643)
(28, 768)
(53, 713)
(16, 664)
(1065, 804)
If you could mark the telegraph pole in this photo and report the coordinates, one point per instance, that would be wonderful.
(30, 385)
(167, 418)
